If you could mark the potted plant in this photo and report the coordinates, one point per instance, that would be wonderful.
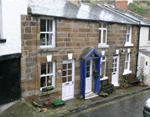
(142, 78)
(104, 94)
(58, 103)
(125, 82)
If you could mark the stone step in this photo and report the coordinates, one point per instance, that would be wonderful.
(90, 95)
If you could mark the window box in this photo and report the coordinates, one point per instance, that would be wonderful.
(48, 92)
(48, 88)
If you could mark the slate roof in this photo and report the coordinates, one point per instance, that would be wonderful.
(145, 52)
(131, 15)
(86, 51)
(60, 8)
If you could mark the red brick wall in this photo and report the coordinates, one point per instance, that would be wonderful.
(122, 4)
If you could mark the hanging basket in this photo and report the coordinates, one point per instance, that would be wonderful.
(95, 73)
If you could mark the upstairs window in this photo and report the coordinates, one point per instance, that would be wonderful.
(128, 34)
(103, 33)
(47, 33)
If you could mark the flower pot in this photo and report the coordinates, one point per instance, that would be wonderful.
(58, 103)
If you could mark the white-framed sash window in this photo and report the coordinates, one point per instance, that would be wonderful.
(47, 77)
(103, 35)
(128, 36)
(127, 61)
(47, 32)
(103, 68)
(127, 64)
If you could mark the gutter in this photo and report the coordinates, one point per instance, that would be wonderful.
(137, 49)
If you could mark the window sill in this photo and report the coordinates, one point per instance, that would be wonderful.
(127, 72)
(2, 40)
(48, 50)
(104, 78)
(127, 45)
(48, 92)
(103, 45)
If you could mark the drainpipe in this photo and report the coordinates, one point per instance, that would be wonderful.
(137, 49)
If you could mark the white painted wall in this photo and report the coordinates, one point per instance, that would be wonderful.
(146, 67)
(130, 1)
(144, 35)
(11, 11)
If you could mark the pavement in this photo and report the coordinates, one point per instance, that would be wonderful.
(72, 106)
(131, 106)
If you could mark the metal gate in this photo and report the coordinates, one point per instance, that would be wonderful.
(9, 80)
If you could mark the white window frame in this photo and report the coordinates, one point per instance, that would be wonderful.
(104, 74)
(149, 35)
(127, 60)
(51, 74)
(130, 36)
(52, 32)
(102, 44)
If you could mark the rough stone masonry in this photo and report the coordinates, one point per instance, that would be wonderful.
(72, 36)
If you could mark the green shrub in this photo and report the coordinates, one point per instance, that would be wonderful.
(148, 3)
(137, 9)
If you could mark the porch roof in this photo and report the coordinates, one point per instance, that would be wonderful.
(61, 8)
(87, 52)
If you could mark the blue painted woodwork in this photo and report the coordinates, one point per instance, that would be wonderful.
(83, 63)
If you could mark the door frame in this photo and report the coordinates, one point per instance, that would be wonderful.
(73, 77)
(90, 77)
(118, 61)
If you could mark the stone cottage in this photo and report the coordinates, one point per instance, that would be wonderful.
(64, 44)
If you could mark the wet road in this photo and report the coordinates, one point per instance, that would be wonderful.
(131, 107)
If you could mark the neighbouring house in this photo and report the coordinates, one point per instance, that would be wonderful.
(144, 43)
(10, 49)
(64, 45)
(144, 52)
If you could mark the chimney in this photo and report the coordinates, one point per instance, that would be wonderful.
(122, 4)
(75, 2)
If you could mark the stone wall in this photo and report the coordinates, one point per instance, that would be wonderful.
(72, 36)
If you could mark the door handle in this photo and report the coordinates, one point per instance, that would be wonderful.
(72, 82)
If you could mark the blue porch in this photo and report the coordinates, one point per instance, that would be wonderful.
(89, 55)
